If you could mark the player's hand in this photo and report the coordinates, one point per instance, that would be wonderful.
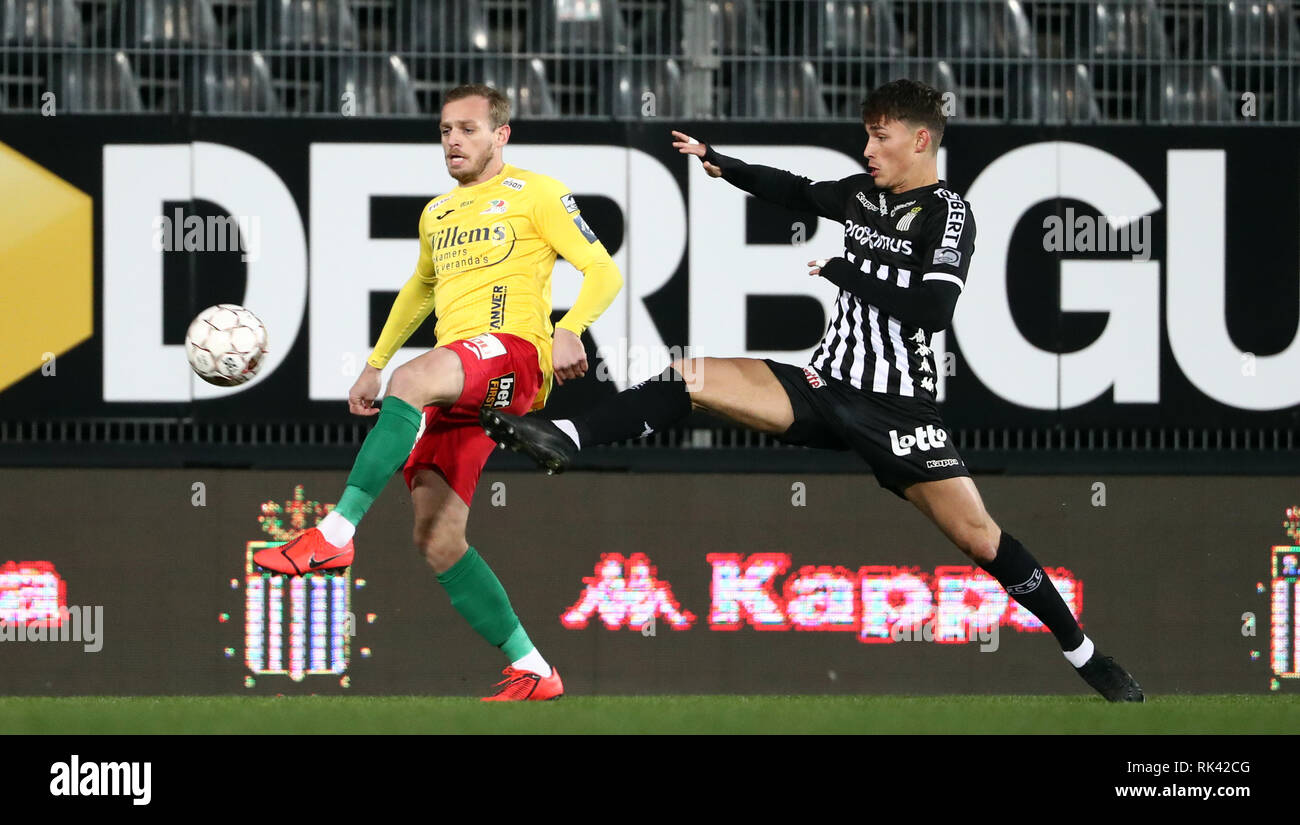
(688, 145)
(568, 356)
(817, 266)
(361, 398)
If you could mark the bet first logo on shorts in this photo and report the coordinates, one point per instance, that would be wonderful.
(500, 391)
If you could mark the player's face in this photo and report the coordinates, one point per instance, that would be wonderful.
(892, 151)
(469, 143)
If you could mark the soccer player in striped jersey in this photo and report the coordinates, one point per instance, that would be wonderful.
(870, 385)
(487, 248)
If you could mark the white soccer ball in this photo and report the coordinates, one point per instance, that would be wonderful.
(226, 344)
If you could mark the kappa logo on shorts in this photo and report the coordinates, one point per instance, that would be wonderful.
(936, 463)
(814, 380)
(485, 346)
(922, 438)
(500, 391)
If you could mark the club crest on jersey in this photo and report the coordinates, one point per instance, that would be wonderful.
(514, 183)
(500, 391)
(570, 205)
(814, 380)
(485, 346)
(905, 222)
(949, 257)
(495, 207)
(497, 319)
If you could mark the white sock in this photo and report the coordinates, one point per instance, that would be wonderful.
(534, 662)
(336, 529)
(1081, 654)
(566, 427)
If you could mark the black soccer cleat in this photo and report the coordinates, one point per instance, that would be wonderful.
(1110, 680)
(532, 435)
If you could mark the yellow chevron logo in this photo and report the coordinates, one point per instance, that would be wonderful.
(47, 278)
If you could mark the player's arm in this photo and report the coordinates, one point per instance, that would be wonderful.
(826, 198)
(929, 304)
(561, 225)
(413, 304)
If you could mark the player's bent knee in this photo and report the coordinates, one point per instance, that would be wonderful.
(978, 543)
(440, 547)
(435, 378)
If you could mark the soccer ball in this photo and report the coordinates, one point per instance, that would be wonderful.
(225, 344)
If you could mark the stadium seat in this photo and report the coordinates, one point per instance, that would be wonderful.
(733, 27)
(377, 86)
(766, 89)
(1065, 95)
(237, 83)
(1124, 29)
(158, 24)
(1237, 30)
(585, 27)
(525, 83)
(303, 25)
(422, 26)
(1125, 46)
(98, 83)
(1196, 94)
(662, 78)
(986, 30)
(845, 83)
(859, 28)
(654, 27)
(39, 23)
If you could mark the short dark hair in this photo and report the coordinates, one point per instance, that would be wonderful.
(912, 101)
(498, 104)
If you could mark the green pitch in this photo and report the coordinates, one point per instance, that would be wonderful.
(652, 714)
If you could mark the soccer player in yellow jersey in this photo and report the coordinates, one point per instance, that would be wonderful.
(487, 248)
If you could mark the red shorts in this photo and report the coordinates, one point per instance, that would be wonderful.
(501, 371)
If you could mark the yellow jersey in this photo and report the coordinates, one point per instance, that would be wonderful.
(486, 255)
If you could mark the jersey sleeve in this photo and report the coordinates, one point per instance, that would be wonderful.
(825, 198)
(949, 241)
(413, 304)
(560, 224)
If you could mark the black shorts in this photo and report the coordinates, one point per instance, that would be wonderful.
(903, 439)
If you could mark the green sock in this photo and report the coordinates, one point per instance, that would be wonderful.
(384, 450)
(477, 594)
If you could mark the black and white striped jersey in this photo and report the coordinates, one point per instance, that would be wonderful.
(922, 235)
(911, 251)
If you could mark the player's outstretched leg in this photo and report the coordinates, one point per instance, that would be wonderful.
(954, 505)
(743, 390)
(475, 592)
(436, 377)
(650, 406)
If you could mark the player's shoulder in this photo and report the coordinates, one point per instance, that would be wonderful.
(950, 198)
(526, 180)
(948, 205)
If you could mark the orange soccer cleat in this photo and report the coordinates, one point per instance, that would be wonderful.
(309, 552)
(526, 686)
